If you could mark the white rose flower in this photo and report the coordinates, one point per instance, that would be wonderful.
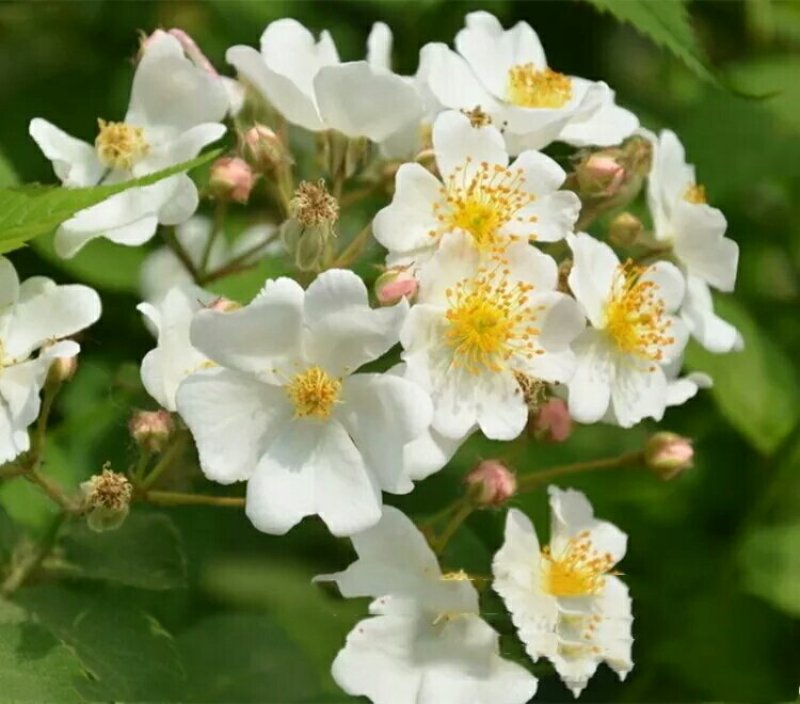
(505, 72)
(287, 413)
(479, 194)
(633, 334)
(565, 600)
(174, 112)
(174, 358)
(34, 315)
(695, 231)
(481, 331)
(306, 82)
(425, 641)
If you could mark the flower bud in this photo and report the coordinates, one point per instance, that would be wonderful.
(394, 284)
(625, 230)
(62, 369)
(106, 500)
(600, 174)
(231, 178)
(308, 232)
(151, 429)
(551, 422)
(491, 483)
(668, 454)
(262, 148)
(223, 305)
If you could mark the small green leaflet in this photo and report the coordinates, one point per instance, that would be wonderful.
(32, 210)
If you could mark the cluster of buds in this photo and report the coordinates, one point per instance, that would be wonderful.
(308, 232)
(106, 500)
(151, 430)
(491, 483)
(263, 149)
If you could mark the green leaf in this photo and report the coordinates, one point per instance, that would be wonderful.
(130, 656)
(756, 389)
(770, 562)
(34, 667)
(777, 76)
(145, 552)
(244, 657)
(8, 176)
(667, 23)
(32, 210)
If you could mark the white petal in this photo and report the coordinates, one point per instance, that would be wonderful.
(711, 331)
(361, 101)
(183, 147)
(670, 285)
(68, 242)
(379, 46)
(590, 386)
(604, 126)
(457, 259)
(701, 246)
(593, 270)
(451, 79)
(182, 205)
(429, 453)
(456, 142)
(74, 162)
(232, 419)
(639, 391)
(669, 178)
(500, 404)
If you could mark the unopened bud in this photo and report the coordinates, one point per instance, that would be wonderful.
(668, 454)
(106, 500)
(151, 429)
(600, 174)
(62, 369)
(223, 305)
(491, 483)
(262, 148)
(342, 154)
(625, 230)
(395, 284)
(308, 232)
(551, 422)
(231, 178)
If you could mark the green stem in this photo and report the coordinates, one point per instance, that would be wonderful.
(459, 516)
(20, 574)
(178, 249)
(52, 490)
(236, 264)
(534, 481)
(167, 459)
(220, 212)
(141, 467)
(353, 250)
(177, 498)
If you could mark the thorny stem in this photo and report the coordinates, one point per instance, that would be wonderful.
(167, 459)
(534, 481)
(177, 498)
(19, 575)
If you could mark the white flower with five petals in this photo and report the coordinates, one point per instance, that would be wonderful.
(565, 600)
(633, 335)
(482, 330)
(425, 642)
(695, 231)
(480, 194)
(305, 81)
(34, 316)
(174, 112)
(505, 72)
(285, 411)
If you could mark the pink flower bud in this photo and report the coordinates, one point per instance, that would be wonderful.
(668, 454)
(151, 430)
(62, 369)
(551, 422)
(223, 305)
(393, 285)
(600, 175)
(231, 178)
(263, 148)
(192, 51)
(491, 483)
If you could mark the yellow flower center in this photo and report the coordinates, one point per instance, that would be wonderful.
(634, 314)
(313, 393)
(532, 88)
(119, 145)
(578, 571)
(489, 322)
(695, 193)
(482, 204)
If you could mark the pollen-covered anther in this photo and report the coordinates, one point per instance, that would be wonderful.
(313, 393)
(490, 321)
(695, 193)
(458, 576)
(634, 314)
(530, 87)
(120, 145)
(477, 117)
(312, 205)
(578, 570)
(483, 201)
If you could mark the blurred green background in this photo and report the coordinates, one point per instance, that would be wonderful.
(195, 605)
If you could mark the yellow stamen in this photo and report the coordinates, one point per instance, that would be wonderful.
(119, 145)
(483, 201)
(695, 193)
(634, 314)
(490, 321)
(532, 88)
(313, 393)
(578, 571)
(459, 576)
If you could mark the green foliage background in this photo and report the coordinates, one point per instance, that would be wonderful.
(194, 605)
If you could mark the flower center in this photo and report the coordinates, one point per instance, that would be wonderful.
(578, 571)
(532, 88)
(634, 314)
(119, 145)
(483, 204)
(313, 393)
(695, 193)
(489, 322)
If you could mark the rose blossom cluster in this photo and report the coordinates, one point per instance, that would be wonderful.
(497, 313)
